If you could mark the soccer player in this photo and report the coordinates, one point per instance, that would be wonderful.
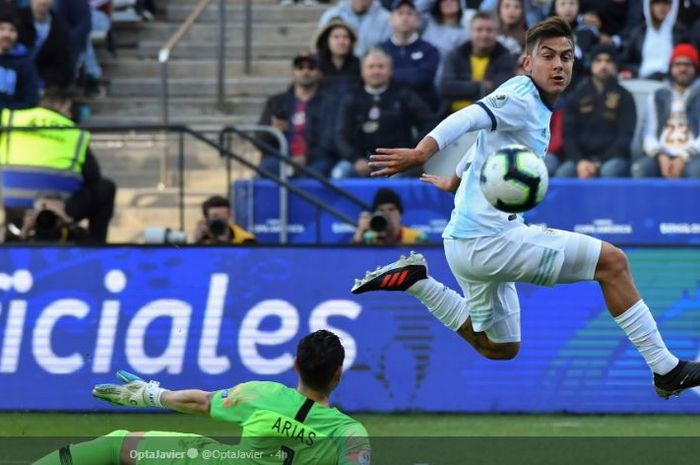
(488, 250)
(280, 425)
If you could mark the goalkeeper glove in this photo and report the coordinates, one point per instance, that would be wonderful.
(135, 392)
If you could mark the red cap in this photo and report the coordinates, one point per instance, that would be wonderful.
(686, 51)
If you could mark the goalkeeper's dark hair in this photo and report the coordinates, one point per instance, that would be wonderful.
(319, 355)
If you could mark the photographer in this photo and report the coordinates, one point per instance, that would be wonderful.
(383, 226)
(217, 228)
(53, 160)
(49, 222)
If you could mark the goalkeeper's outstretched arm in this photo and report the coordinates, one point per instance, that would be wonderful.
(135, 392)
(192, 401)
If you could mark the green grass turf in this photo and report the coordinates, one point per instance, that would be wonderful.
(397, 425)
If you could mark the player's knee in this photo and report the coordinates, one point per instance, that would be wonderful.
(612, 263)
(504, 351)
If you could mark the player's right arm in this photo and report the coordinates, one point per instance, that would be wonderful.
(392, 161)
(135, 392)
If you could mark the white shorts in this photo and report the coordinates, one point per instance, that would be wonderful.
(488, 267)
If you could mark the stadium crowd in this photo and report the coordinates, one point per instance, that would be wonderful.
(392, 69)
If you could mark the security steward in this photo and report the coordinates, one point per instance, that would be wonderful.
(52, 160)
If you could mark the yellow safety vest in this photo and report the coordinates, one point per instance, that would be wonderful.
(38, 161)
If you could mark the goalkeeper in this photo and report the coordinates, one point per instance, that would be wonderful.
(280, 425)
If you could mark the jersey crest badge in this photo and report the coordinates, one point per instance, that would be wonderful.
(497, 100)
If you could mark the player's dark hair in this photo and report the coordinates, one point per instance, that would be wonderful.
(319, 355)
(213, 202)
(550, 28)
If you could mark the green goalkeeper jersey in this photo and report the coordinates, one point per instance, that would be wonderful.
(288, 428)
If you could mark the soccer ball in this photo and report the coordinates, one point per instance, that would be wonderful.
(514, 179)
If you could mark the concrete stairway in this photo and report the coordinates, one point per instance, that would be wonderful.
(134, 74)
(145, 165)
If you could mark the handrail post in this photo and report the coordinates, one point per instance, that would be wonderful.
(248, 34)
(163, 58)
(221, 86)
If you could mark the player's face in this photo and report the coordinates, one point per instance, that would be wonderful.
(550, 65)
(603, 67)
(376, 70)
(511, 11)
(339, 41)
(682, 71)
(404, 20)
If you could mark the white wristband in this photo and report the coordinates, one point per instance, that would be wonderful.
(153, 393)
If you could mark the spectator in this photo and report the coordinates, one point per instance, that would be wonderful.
(298, 114)
(599, 123)
(367, 17)
(61, 157)
(443, 29)
(380, 114)
(100, 26)
(76, 13)
(651, 43)
(46, 37)
(19, 80)
(511, 25)
(383, 226)
(672, 131)
(217, 227)
(610, 19)
(49, 222)
(414, 60)
(585, 36)
(339, 66)
(477, 67)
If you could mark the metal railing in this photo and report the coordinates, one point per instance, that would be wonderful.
(166, 51)
(225, 141)
(183, 130)
(286, 162)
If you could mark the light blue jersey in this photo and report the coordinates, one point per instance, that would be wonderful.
(518, 116)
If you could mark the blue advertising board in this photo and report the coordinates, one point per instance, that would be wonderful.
(214, 317)
(622, 211)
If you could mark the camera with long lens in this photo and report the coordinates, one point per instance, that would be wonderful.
(48, 226)
(217, 226)
(378, 223)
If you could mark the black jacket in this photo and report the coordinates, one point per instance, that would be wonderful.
(53, 60)
(457, 83)
(367, 122)
(282, 106)
(599, 126)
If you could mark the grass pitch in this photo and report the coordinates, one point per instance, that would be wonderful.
(378, 425)
(407, 439)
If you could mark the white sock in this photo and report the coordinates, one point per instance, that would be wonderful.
(641, 330)
(448, 306)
